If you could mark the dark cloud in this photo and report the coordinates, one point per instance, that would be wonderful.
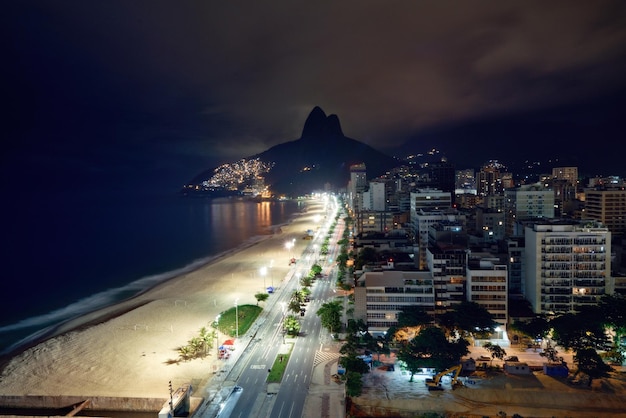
(222, 80)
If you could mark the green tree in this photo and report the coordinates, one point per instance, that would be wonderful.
(495, 350)
(197, 345)
(298, 296)
(378, 345)
(316, 269)
(342, 258)
(294, 306)
(207, 337)
(412, 316)
(472, 318)
(365, 256)
(430, 348)
(354, 364)
(613, 310)
(578, 331)
(261, 297)
(291, 325)
(551, 354)
(537, 327)
(185, 352)
(306, 281)
(356, 327)
(590, 363)
(354, 384)
(330, 315)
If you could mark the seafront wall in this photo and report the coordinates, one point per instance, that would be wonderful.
(97, 403)
(571, 404)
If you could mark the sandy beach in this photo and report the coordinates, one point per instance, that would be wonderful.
(127, 350)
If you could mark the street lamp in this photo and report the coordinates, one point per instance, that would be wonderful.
(263, 272)
(236, 318)
(289, 246)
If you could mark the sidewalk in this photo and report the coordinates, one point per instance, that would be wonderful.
(326, 398)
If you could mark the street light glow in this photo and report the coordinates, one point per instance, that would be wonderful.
(263, 273)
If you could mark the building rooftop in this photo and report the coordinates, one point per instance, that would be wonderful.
(393, 278)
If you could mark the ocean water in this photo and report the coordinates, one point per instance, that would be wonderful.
(66, 255)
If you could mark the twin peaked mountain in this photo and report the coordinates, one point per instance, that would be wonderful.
(322, 155)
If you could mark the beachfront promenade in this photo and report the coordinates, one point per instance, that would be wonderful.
(130, 350)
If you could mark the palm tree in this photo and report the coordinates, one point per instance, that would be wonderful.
(196, 344)
(207, 338)
(185, 352)
(294, 306)
(292, 325)
(298, 295)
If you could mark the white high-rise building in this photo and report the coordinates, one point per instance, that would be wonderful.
(487, 285)
(378, 196)
(428, 206)
(357, 185)
(567, 265)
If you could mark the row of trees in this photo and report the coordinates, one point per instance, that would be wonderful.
(585, 333)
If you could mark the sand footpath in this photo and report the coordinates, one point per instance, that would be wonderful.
(128, 350)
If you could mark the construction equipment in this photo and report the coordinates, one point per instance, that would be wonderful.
(435, 383)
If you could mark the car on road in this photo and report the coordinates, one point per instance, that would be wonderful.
(227, 407)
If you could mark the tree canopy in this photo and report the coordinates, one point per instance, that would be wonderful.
(537, 327)
(412, 316)
(577, 332)
(590, 363)
(470, 318)
(431, 349)
(330, 315)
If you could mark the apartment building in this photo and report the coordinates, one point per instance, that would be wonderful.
(428, 206)
(366, 221)
(490, 224)
(447, 264)
(570, 174)
(487, 285)
(568, 265)
(527, 202)
(492, 179)
(357, 186)
(515, 266)
(381, 295)
(607, 205)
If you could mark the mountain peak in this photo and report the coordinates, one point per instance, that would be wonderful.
(318, 124)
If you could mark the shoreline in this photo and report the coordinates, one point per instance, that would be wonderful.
(155, 307)
(123, 306)
(105, 313)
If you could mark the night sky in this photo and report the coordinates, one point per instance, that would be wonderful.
(136, 90)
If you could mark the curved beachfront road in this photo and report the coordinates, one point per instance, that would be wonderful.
(250, 367)
(294, 387)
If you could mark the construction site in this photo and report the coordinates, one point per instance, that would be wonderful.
(525, 388)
